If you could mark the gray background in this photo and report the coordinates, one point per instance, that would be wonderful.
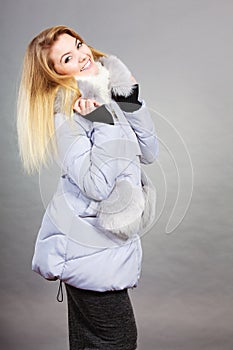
(181, 53)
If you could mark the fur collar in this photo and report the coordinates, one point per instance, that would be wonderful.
(119, 75)
(96, 87)
(113, 77)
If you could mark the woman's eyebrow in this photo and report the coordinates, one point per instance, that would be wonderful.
(75, 44)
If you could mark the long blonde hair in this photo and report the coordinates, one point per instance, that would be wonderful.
(37, 91)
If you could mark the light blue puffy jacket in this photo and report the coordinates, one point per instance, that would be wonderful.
(93, 155)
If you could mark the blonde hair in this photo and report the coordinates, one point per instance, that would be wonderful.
(37, 91)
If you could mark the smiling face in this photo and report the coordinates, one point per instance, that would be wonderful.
(72, 57)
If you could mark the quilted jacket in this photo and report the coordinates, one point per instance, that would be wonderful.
(94, 153)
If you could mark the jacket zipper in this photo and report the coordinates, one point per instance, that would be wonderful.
(113, 112)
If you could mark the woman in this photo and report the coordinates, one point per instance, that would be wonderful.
(81, 106)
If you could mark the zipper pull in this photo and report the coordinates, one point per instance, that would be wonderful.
(113, 113)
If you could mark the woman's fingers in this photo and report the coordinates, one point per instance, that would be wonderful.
(76, 107)
(85, 106)
(82, 104)
(97, 104)
(89, 106)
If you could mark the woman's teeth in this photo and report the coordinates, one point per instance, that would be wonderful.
(86, 65)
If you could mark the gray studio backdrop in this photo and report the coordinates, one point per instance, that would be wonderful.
(180, 51)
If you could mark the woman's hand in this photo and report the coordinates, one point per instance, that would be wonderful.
(84, 106)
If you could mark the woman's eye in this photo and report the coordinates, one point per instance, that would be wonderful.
(79, 44)
(67, 59)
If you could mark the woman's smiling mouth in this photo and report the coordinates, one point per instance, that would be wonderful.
(86, 66)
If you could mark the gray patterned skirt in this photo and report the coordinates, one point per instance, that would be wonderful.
(100, 320)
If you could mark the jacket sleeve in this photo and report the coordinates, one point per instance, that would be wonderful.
(93, 157)
(138, 116)
(141, 122)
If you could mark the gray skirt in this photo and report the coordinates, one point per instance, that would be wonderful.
(100, 320)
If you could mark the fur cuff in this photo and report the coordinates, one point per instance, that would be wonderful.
(129, 210)
(121, 212)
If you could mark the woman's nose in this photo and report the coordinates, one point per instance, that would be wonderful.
(82, 57)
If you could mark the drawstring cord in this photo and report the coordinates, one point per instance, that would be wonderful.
(60, 293)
